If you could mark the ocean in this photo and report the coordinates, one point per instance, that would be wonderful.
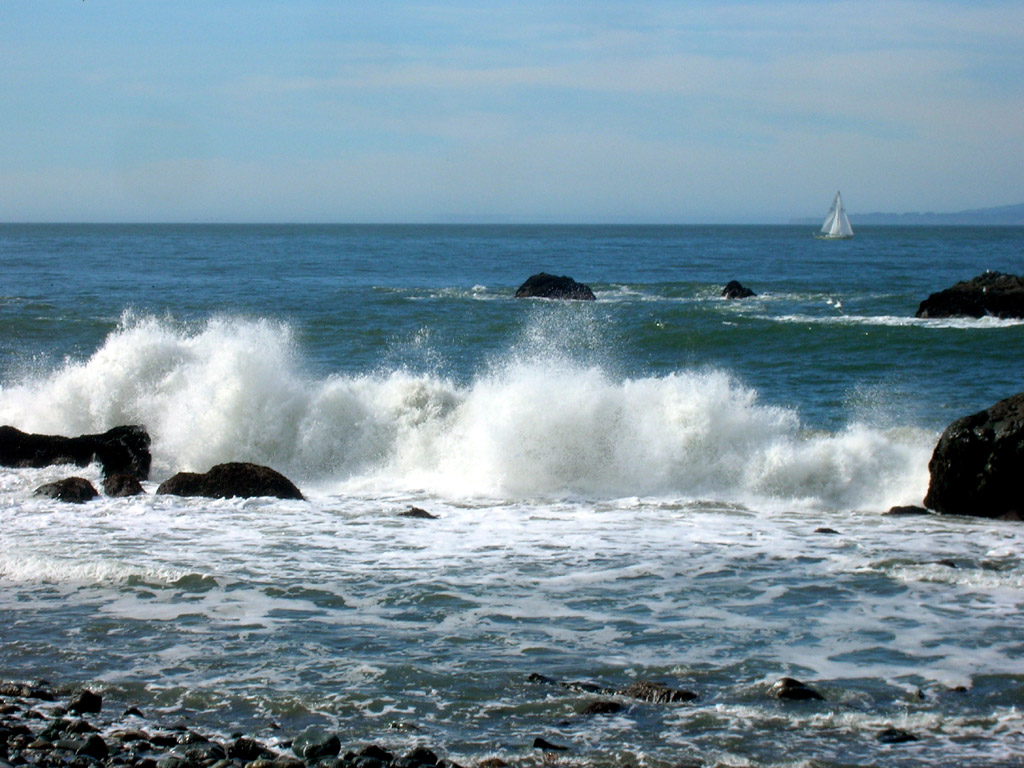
(660, 485)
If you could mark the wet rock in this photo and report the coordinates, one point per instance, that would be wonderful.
(827, 531)
(376, 753)
(85, 701)
(422, 756)
(248, 749)
(991, 293)
(736, 290)
(545, 286)
(601, 708)
(793, 690)
(547, 746)
(418, 514)
(121, 485)
(73, 490)
(93, 746)
(234, 479)
(906, 511)
(121, 450)
(976, 465)
(314, 744)
(656, 693)
(895, 736)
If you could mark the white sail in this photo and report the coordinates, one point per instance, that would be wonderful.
(837, 225)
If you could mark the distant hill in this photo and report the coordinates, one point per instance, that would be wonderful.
(1002, 216)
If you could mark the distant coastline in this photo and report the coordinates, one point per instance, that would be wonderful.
(1001, 216)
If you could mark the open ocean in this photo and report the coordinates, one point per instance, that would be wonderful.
(628, 489)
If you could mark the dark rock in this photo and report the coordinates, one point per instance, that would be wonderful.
(205, 753)
(94, 746)
(602, 708)
(976, 465)
(376, 753)
(74, 490)
(247, 750)
(545, 286)
(793, 690)
(418, 514)
(81, 726)
(423, 756)
(121, 450)
(537, 677)
(895, 736)
(735, 290)
(991, 293)
(234, 479)
(827, 531)
(906, 511)
(656, 693)
(133, 711)
(547, 746)
(85, 701)
(314, 744)
(122, 485)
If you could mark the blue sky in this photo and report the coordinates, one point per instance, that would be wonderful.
(309, 110)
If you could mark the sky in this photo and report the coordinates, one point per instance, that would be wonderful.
(530, 111)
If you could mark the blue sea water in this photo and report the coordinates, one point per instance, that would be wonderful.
(626, 489)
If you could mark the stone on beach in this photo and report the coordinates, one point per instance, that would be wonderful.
(231, 480)
(976, 465)
(545, 286)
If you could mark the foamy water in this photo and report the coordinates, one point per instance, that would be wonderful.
(659, 485)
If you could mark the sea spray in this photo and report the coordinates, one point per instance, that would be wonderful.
(530, 425)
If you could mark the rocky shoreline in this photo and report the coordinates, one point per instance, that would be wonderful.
(67, 727)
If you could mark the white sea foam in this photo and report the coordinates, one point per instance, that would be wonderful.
(531, 425)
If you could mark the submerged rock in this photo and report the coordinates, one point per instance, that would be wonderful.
(122, 485)
(74, 490)
(991, 293)
(545, 286)
(417, 514)
(976, 465)
(736, 290)
(121, 450)
(656, 693)
(234, 479)
(793, 690)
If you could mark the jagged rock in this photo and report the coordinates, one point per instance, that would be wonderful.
(234, 479)
(991, 293)
(736, 290)
(976, 465)
(793, 690)
(545, 286)
(122, 485)
(85, 702)
(74, 490)
(418, 514)
(656, 693)
(118, 450)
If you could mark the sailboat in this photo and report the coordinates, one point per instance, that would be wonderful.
(836, 226)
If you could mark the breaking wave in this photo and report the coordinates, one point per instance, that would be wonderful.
(528, 426)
